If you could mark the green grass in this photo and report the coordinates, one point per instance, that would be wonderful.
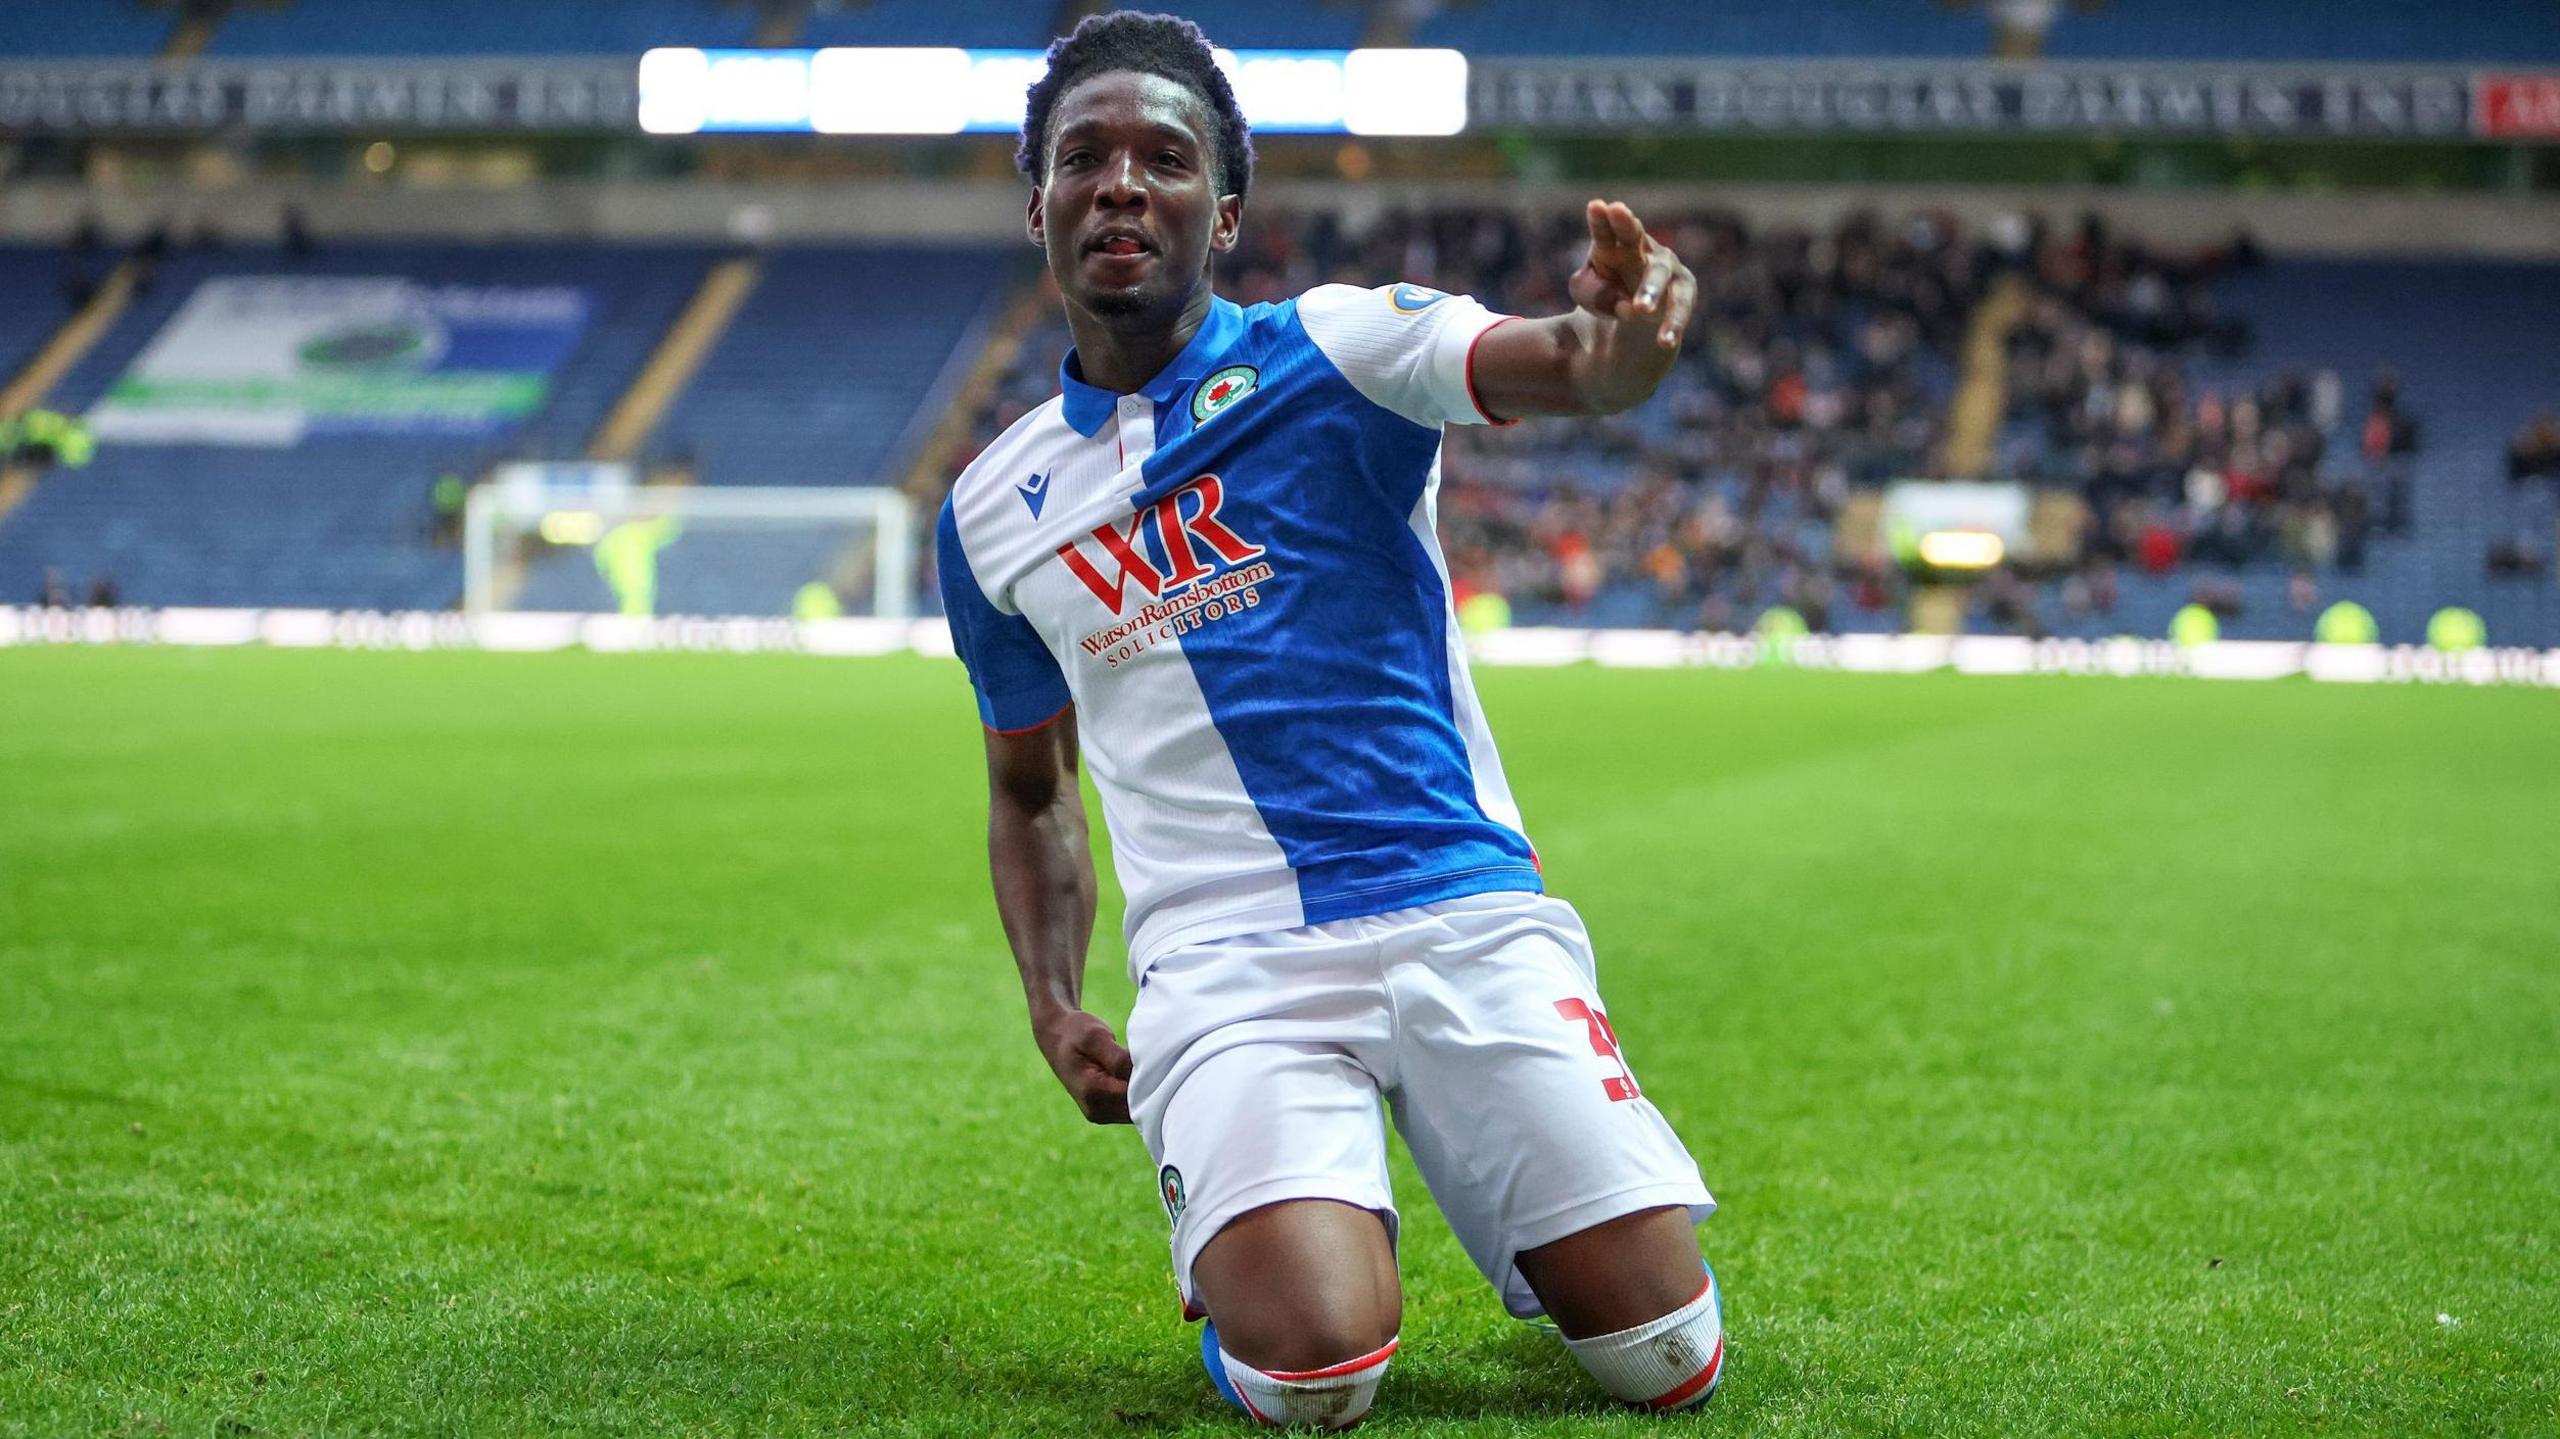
(569, 1044)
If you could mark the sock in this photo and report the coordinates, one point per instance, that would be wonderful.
(1666, 1363)
(1334, 1397)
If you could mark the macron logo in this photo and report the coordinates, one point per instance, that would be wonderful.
(1034, 492)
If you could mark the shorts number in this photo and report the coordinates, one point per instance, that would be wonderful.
(1604, 1043)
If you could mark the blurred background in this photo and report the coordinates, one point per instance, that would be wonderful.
(2075, 318)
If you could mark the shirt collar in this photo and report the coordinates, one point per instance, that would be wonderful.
(1087, 406)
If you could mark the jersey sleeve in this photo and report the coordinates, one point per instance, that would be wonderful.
(1018, 681)
(1406, 348)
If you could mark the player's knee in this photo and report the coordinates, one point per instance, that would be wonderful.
(1672, 1362)
(1300, 1342)
(1300, 1287)
(1619, 1273)
(1333, 1395)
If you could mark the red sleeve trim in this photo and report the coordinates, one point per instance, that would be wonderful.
(1371, 1359)
(1035, 728)
(1472, 397)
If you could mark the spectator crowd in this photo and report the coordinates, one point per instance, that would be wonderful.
(2174, 473)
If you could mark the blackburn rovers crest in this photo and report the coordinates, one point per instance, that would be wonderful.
(1169, 1183)
(1223, 389)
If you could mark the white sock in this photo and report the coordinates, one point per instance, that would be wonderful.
(1334, 1397)
(1667, 1363)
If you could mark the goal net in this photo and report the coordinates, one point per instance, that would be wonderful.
(585, 539)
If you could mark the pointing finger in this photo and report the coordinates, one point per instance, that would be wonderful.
(1630, 230)
(1637, 252)
(1621, 267)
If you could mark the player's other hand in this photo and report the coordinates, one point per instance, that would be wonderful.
(1632, 279)
(1089, 1060)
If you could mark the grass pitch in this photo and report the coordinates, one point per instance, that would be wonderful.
(570, 1044)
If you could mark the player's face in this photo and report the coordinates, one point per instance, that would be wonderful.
(1130, 212)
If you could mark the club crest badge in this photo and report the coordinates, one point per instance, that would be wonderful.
(1169, 1183)
(1221, 390)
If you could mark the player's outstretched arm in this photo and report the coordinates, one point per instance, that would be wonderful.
(1632, 300)
(1043, 866)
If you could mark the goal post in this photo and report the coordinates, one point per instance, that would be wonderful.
(584, 539)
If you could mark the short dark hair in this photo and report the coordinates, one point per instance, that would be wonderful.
(1163, 45)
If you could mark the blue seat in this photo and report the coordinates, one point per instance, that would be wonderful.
(478, 27)
(819, 378)
(116, 28)
(2314, 30)
(1841, 28)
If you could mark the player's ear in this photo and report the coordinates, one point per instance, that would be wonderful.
(1222, 235)
(1034, 222)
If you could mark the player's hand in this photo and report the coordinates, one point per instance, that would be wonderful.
(1089, 1061)
(1631, 279)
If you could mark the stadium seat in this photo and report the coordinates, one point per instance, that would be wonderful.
(476, 27)
(2306, 30)
(99, 28)
(1683, 27)
(992, 24)
(32, 303)
(826, 365)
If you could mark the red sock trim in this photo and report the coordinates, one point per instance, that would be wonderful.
(1335, 1371)
(1696, 1382)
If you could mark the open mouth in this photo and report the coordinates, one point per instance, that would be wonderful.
(1120, 245)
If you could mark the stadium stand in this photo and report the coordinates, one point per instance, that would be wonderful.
(2306, 30)
(2214, 415)
(829, 361)
(2253, 477)
(2115, 30)
(1682, 27)
(475, 27)
(337, 522)
(33, 298)
(1255, 24)
(103, 29)
(2159, 30)
(993, 24)
(2469, 343)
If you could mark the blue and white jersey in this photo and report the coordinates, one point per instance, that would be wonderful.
(1233, 577)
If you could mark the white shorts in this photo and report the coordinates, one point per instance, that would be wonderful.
(1261, 1060)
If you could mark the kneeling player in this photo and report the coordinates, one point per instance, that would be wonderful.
(1210, 567)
